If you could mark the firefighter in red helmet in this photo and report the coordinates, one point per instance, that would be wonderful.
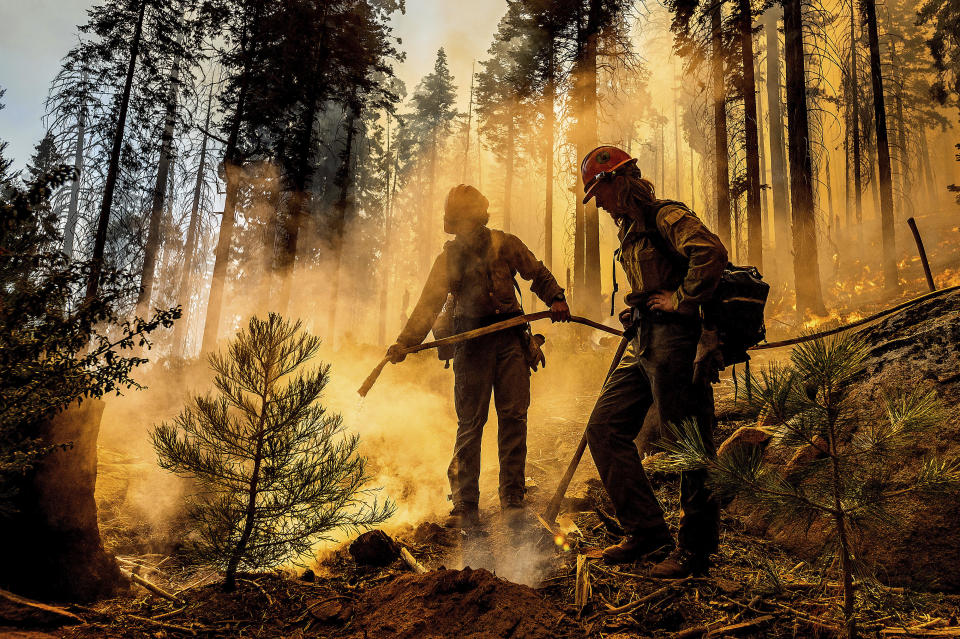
(673, 264)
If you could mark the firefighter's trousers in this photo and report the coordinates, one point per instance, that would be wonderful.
(655, 373)
(493, 363)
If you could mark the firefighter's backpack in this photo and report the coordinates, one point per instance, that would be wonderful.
(737, 306)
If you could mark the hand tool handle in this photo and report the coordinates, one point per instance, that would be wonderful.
(553, 508)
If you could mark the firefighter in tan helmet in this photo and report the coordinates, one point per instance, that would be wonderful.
(477, 270)
(673, 264)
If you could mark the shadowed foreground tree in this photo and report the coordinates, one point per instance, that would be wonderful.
(276, 473)
(56, 350)
(847, 461)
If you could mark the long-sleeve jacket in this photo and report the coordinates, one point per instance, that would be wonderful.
(694, 259)
(478, 269)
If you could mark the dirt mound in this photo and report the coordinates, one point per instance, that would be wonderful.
(456, 603)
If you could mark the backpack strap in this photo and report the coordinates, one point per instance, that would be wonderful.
(679, 261)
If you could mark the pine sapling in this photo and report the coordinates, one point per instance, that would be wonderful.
(276, 473)
(846, 459)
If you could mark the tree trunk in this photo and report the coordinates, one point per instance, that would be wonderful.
(73, 212)
(549, 118)
(906, 184)
(113, 168)
(385, 256)
(590, 303)
(805, 264)
(764, 192)
(933, 195)
(190, 249)
(749, 88)
(233, 173)
(508, 169)
(855, 126)
(51, 547)
(778, 162)
(155, 235)
(341, 210)
(720, 129)
(887, 235)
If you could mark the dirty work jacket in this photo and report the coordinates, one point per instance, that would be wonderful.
(693, 267)
(478, 269)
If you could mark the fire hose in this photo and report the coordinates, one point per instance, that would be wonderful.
(479, 332)
(548, 518)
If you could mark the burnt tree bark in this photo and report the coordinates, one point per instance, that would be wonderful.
(113, 168)
(749, 88)
(720, 129)
(154, 235)
(888, 244)
(855, 125)
(805, 263)
(51, 547)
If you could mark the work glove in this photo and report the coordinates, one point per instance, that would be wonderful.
(709, 360)
(626, 318)
(396, 353)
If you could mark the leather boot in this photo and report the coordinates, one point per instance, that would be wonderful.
(513, 510)
(681, 563)
(463, 515)
(637, 546)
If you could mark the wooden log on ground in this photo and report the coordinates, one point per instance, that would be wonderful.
(713, 630)
(953, 631)
(411, 561)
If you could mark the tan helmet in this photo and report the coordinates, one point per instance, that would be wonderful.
(465, 202)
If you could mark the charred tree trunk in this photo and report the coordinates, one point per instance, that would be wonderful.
(805, 263)
(720, 129)
(749, 88)
(190, 249)
(778, 162)
(155, 235)
(73, 211)
(113, 168)
(342, 207)
(51, 547)
(888, 245)
(855, 125)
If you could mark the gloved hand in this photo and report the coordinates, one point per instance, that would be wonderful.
(626, 318)
(396, 353)
(709, 360)
(559, 311)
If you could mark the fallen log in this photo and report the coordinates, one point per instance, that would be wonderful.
(918, 631)
(412, 562)
(633, 605)
(582, 591)
(155, 589)
(713, 630)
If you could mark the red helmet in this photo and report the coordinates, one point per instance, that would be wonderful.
(601, 164)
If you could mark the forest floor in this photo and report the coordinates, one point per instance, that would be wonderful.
(755, 589)
(524, 583)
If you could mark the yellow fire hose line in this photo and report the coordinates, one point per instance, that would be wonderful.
(533, 317)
